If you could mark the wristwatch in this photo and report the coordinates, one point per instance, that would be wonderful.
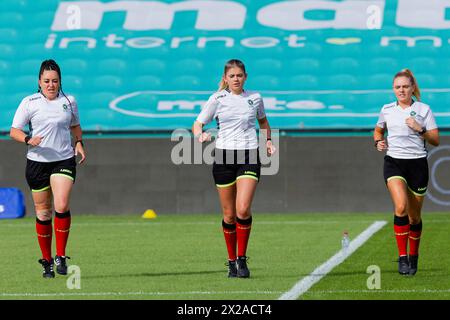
(422, 132)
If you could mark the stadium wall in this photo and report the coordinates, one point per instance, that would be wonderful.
(316, 174)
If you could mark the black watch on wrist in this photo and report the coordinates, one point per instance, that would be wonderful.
(27, 138)
(422, 132)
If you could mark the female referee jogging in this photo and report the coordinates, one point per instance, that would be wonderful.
(410, 124)
(236, 169)
(51, 168)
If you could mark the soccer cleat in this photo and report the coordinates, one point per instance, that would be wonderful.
(242, 270)
(47, 268)
(413, 264)
(232, 271)
(61, 266)
(403, 265)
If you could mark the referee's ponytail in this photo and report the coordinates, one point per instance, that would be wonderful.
(230, 64)
(408, 74)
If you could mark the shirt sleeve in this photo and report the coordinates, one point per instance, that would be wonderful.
(430, 121)
(381, 123)
(260, 111)
(208, 111)
(75, 115)
(22, 116)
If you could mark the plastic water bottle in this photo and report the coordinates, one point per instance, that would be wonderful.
(345, 241)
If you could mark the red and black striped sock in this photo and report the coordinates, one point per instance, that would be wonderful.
(401, 230)
(44, 235)
(415, 231)
(243, 228)
(62, 228)
(229, 232)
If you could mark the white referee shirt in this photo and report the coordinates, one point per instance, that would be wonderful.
(404, 142)
(236, 118)
(50, 119)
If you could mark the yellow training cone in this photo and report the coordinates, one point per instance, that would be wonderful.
(149, 214)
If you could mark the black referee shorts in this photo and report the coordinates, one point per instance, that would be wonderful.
(231, 165)
(413, 171)
(38, 173)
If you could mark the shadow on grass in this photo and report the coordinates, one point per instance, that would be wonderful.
(156, 274)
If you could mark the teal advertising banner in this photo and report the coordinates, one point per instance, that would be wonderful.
(150, 65)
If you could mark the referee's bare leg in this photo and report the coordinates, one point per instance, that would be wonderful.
(415, 203)
(43, 207)
(399, 194)
(227, 196)
(62, 187)
(43, 204)
(246, 188)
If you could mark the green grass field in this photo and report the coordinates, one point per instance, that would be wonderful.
(183, 257)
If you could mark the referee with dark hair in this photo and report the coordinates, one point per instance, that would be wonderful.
(52, 118)
(410, 124)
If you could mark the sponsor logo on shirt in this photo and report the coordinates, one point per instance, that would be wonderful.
(412, 113)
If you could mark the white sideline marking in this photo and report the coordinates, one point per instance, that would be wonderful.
(134, 293)
(307, 282)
